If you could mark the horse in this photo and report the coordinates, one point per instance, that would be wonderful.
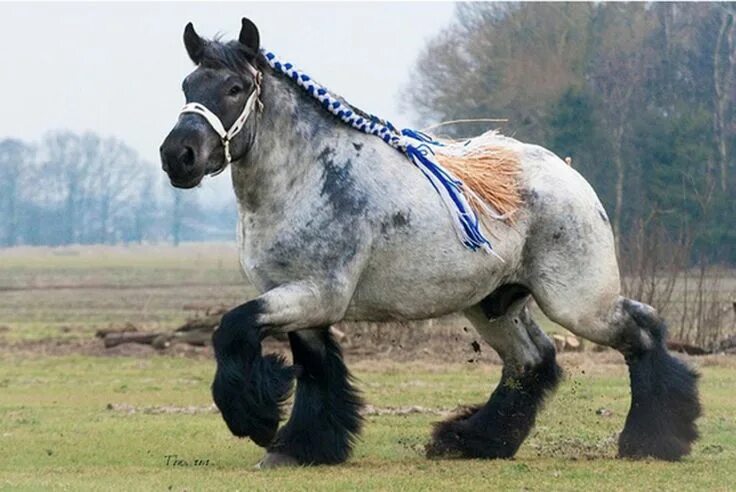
(334, 224)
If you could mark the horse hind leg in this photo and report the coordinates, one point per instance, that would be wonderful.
(530, 373)
(664, 394)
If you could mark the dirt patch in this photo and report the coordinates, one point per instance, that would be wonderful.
(368, 410)
(94, 347)
(574, 448)
(432, 355)
(377, 347)
(126, 409)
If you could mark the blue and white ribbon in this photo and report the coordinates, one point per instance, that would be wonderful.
(417, 146)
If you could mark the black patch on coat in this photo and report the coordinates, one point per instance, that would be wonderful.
(281, 263)
(329, 239)
(357, 146)
(399, 220)
(249, 389)
(497, 429)
(664, 393)
(529, 197)
(338, 184)
(325, 420)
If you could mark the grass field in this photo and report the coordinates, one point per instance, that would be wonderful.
(74, 417)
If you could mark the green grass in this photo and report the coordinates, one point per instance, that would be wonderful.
(57, 431)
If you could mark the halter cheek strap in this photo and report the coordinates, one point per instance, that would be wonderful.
(227, 135)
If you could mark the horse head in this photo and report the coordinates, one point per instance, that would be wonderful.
(216, 126)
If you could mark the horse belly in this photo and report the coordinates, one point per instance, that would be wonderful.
(419, 284)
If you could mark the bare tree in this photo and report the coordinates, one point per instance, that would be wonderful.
(65, 167)
(15, 161)
(118, 176)
(502, 60)
(724, 84)
(94, 183)
(621, 67)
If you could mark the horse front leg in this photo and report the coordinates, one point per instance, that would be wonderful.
(250, 389)
(325, 419)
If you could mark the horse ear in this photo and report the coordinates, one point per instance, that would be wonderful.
(249, 35)
(193, 43)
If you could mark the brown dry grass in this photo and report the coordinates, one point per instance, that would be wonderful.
(491, 175)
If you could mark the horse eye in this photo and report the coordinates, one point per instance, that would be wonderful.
(235, 90)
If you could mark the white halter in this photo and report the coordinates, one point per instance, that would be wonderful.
(227, 135)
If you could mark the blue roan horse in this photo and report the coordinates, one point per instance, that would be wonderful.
(334, 224)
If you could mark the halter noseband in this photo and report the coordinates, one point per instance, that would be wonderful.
(227, 135)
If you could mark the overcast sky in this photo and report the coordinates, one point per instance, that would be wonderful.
(116, 69)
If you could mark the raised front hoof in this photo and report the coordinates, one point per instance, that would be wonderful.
(262, 435)
(276, 460)
(261, 432)
(457, 439)
(250, 404)
(237, 411)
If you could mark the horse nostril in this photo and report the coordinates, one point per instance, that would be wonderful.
(186, 157)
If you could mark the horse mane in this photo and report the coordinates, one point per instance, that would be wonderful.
(232, 55)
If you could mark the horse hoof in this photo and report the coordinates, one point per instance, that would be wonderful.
(276, 460)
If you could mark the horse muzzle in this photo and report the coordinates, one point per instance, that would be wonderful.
(182, 158)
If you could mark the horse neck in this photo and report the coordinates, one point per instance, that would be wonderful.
(289, 135)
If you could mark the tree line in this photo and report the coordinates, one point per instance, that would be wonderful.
(641, 96)
(81, 188)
